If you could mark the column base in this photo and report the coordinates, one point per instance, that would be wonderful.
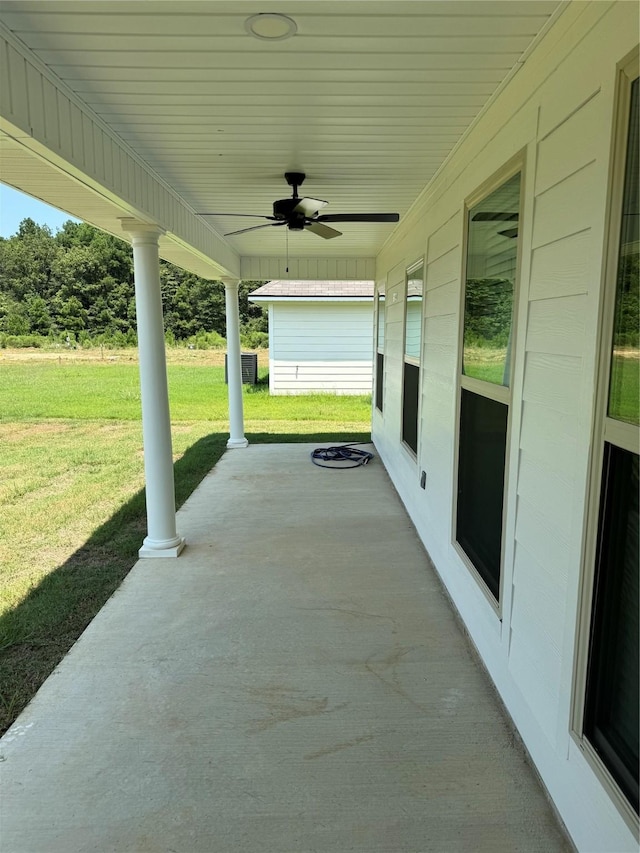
(237, 442)
(169, 548)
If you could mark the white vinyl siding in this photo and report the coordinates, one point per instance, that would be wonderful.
(321, 347)
(556, 114)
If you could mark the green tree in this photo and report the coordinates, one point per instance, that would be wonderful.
(81, 281)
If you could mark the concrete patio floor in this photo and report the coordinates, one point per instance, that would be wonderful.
(295, 681)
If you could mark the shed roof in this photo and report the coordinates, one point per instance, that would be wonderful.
(315, 289)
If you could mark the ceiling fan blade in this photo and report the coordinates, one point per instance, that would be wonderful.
(253, 228)
(309, 206)
(512, 233)
(250, 215)
(322, 230)
(358, 217)
(494, 216)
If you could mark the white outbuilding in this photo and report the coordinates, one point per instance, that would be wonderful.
(319, 336)
(504, 137)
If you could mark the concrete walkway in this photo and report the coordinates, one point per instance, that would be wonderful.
(294, 682)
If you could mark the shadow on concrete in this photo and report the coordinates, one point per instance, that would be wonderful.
(35, 635)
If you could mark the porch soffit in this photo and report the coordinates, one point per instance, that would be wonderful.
(368, 99)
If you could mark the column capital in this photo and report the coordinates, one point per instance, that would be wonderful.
(142, 232)
(230, 282)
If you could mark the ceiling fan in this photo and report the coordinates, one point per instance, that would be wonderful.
(302, 214)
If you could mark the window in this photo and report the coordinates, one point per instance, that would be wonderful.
(610, 722)
(380, 351)
(490, 283)
(411, 361)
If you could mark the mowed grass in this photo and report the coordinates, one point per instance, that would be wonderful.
(72, 513)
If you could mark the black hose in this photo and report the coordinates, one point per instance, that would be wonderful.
(341, 457)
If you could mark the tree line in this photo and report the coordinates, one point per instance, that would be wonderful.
(75, 287)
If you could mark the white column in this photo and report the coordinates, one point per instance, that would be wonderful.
(162, 539)
(234, 365)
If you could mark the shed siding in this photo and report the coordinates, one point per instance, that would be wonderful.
(320, 347)
(557, 113)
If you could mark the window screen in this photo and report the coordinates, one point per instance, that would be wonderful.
(483, 431)
(411, 361)
(611, 718)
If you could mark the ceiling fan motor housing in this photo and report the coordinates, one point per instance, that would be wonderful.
(284, 209)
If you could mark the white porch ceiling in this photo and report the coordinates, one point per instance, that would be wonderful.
(368, 98)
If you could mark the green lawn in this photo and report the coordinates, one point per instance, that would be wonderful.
(110, 391)
(71, 478)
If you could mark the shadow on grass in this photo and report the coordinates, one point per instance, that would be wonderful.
(36, 635)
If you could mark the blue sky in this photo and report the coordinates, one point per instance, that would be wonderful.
(16, 206)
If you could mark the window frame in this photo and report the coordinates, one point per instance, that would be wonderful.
(412, 360)
(380, 297)
(498, 393)
(605, 430)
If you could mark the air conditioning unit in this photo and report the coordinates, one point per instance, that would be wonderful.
(249, 368)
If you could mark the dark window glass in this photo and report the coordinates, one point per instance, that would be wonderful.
(380, 353)
(410, 407)
(492, 249)
(625, 363)
(611, 712)
(379, 380)
(483, 438)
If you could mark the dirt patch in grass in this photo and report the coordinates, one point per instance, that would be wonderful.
(174, 355)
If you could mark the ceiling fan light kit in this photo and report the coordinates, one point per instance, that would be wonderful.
(271, 26)
(303, 214)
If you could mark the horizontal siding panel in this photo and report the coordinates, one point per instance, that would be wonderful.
(553, 380)
(570, 147)
(544, 485)
(307, 386)
(531, 677)
(335, 380)
(445, 238)
(563, 268)
(566, 208)
(549, 435)
(438, 402)
(327, 368)
(445, 268)
(440, 346)
(543, 536)
(315, 350)
(573, 85)
(318, 319)
(538, 610)
(557, 325)
(442, 300)
(326, 333)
